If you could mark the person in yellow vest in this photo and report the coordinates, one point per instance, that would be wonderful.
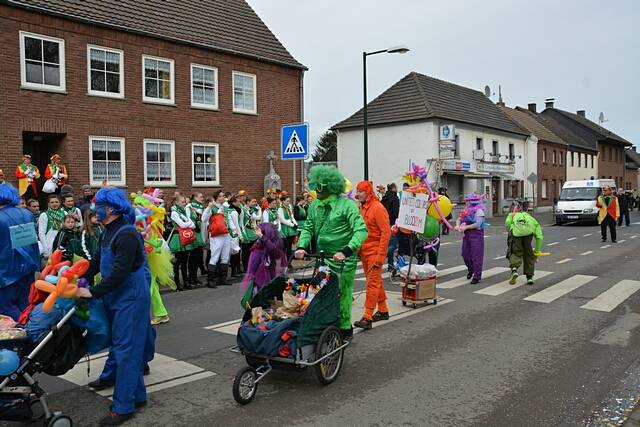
(609, 213)
(27, 175)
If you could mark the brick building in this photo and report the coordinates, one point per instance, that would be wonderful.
(632, 172)
(551, 154)
(185, 95)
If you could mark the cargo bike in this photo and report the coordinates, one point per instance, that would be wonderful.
(310, 341)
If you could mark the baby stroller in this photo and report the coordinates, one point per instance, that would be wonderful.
(313, 340)
(55, 353)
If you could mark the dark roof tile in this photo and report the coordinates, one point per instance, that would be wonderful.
(529, 121)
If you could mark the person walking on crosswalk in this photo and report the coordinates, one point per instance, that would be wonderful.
(471, 225)
(609, 213)
(522, 228)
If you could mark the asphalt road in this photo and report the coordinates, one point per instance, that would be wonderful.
(481, 359)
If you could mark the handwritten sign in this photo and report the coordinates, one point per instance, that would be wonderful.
(413, 211)
(22, 235)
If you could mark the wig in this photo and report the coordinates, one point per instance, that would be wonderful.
(267, 260)
(474, 203)
(118, 201)
(9, 195)
(367, 187)
(326, 178)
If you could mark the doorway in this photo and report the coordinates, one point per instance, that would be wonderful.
(41, 146)
(495, 195)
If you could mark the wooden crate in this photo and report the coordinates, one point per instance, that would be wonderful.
(419, 290)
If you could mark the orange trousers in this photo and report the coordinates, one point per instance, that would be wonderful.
(375, 288)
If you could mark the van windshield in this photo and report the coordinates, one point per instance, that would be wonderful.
(580, 193)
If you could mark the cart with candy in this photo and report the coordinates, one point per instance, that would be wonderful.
(291, 324)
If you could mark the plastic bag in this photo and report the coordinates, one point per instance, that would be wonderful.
(50, 186)
(419, 272)
(41, 322)
(6, 322)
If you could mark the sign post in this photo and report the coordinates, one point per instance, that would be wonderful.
(294, 145)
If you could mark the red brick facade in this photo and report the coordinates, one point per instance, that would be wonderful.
(553, 172)
(244, 140)
(611, 162)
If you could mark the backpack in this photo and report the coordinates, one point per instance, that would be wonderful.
(217, 225)
(520, 226)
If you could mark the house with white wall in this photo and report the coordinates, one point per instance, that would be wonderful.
(465, 140)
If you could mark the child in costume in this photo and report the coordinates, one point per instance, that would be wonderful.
(267, 260)
(49, 223)
(90, 236)
(471, 225)
(522, 228)
(67, 239)
(335, 224)
(27, 175)
(609, 213)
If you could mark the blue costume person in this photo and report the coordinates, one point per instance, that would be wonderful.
(125, 291)
(20, 256)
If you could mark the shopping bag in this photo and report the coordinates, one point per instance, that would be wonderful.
(186, 235)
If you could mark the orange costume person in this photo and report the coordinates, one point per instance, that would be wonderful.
(56, 170)
(373, 254)
(27, 174)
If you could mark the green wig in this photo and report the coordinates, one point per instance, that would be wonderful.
(326, 178)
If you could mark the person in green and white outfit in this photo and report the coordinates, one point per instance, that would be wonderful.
(236, 235)
(180, 218)
(300, 211)
(220, 243)
(196, 259)
(288, 224)
(250, 217)
(270, 214)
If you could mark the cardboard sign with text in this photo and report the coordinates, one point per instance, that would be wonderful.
(413, 211)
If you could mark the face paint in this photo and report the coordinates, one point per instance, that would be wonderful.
(101, 212)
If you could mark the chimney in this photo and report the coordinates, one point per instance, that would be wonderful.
(548, 103)
(581, 113)
(532, 107)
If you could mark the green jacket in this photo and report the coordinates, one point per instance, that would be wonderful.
(337, 226)
(523, 224)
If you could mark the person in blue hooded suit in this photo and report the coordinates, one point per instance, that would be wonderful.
(124, 290)
(20, 256)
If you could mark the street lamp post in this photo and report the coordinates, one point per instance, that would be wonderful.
(396, 49)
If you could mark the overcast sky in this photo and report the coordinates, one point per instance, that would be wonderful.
(583, 53)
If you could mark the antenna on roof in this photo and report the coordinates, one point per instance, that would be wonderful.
(500, 95)
(601, 118)
(487, 91)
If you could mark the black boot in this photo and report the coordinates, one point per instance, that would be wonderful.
(185, 277)
(211, 278)
(176, 277)
(222, 276)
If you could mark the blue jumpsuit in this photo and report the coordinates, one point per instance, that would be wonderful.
(132, 337)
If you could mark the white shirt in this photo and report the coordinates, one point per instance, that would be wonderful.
(47, 238)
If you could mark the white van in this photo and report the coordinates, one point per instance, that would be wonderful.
(578, 200)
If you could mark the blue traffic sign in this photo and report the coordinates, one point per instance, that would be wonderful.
(294, 142)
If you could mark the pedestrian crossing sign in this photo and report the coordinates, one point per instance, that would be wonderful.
(294, 142)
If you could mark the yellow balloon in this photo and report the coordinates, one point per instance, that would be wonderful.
(313, 194)
(445, 207)
(347, 185)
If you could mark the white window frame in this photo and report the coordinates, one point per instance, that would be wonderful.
(172, 79)
(215, 183)
(543, 189)
(105, 94)
(23, 68)
(255, 93)
(171, 183)
(213, 106)
(123, 160)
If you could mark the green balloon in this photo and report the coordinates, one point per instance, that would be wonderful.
(431, 227)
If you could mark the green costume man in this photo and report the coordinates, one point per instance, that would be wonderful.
(522, 228)
(335, 224)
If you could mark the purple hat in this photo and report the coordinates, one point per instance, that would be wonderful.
(472, 197)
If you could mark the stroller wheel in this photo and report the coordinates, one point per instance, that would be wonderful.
(37, 409)
(327, 370)
(245, 385)
(60, 421)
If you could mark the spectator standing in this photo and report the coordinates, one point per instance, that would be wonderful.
(49, 223)
(391, 202)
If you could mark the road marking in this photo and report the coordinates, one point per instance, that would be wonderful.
(588, 234)
(586, 253)
(451, 270)
(611, 298)
(554, 292)
(166, 372)
(503, 287)
(621, 241)
(562, 261)
(571, 238)
(636, 223)
(396, 309)
(440, 265)
(553, 244)
(634, 236)
(445, 243)
(463, 280)
(499, 257)
(605, 246)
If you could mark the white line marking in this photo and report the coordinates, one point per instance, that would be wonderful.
(440, 265)
(180, 381)
(571, 238)
(605, 246)
(636, 223)
(503, 287)
(586, 253)
(621, 241)
(445, 243)
(614, 296)
(588, 234)
(499, 257)
(554, 292)
(553, 244)
(463, 280)
(451, 270)
(634, 236)
(562, 261)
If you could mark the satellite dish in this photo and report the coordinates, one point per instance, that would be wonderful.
(487, 91)
(601, 117)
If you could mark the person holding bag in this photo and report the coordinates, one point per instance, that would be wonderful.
(181, 241)
(55, 174)
(217, 216)
(196, 260)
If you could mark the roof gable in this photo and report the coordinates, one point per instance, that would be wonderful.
(229, 26)
(571, 132)
(529, 121)
(420, 97)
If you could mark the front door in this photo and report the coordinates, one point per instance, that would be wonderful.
(495, 195)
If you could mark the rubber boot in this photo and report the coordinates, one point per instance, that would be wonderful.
(211, 277)
(222, 276)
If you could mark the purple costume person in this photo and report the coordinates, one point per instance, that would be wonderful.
(472, 222)
(267, 260)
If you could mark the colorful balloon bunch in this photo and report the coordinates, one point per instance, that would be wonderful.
(149, 221)
(60, 279)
